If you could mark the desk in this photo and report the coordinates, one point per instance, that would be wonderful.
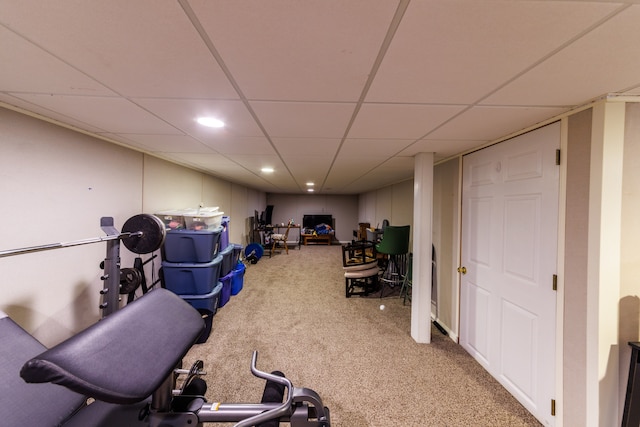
(276, 229)
(317, 238)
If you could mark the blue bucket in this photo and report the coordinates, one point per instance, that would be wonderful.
(237, 281)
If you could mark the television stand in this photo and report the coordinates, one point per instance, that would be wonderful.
(318, 238)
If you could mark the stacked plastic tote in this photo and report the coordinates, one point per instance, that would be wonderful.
(232, 271)
(192, 263)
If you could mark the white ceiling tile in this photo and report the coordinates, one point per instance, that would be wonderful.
(164, 143)
(222, 167)
(312, 148)
(604, 60)
(459, 51)
(213, 161)
(281, 178)
(116, 115)
(36, 71)
(392, 171)
(490, 123)
(441, 148)
(309, 168)
(184, 112)
(47, 113)
(347, 170)
(141, 48)
(255, 163)
(298, 51)
(634, 91)
(400, 121)
(256, 145)
(380, 148)
(297, 119)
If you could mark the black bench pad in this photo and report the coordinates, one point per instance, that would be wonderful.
(25, 404)
(127, 355)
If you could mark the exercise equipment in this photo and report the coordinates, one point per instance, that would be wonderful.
(141, 234)
(121, 367)
(253, 252)
(130, 280)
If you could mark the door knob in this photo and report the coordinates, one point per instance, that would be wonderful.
(462, 270)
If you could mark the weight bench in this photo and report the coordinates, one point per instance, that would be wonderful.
(121, 360)
(129, 362)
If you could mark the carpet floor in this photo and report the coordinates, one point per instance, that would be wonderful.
(360, 359)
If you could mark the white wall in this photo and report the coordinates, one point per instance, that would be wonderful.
(575, 268)
(393, 203)
(629, 304)
(446, 240)
(55, 184)
(344, 210)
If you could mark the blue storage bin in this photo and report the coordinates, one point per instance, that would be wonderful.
(225, 294)
(207, 317)
(227, 260)
(237, 250)
(191, 245)
(224, 236)
(191, 279)
(237, 281)
(207, 306)
(208, 301)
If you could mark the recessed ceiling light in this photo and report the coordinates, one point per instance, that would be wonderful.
(310, 190)
(310, 184)
(211, 122)
(267, 170)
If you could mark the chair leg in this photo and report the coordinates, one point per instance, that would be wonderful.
(394, 274)
(387, 278)
(405, 291)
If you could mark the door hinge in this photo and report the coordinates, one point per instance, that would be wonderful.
(558, 157)
(555, 282)
(553, 407)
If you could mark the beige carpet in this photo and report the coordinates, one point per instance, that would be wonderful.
(360, 359)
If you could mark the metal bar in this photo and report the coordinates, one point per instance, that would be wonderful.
(237, 412)
(19, 251)
(151, 258)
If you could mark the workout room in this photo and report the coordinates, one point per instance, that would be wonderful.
(503, 134)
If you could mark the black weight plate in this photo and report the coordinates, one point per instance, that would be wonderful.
(130, 279)
(254, 248)
(153, 233)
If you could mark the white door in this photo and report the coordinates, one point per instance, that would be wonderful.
(509, 251)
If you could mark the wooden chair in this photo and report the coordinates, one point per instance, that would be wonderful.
(280, 238)
(360, 268)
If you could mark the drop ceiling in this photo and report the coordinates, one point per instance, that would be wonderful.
(342, 93)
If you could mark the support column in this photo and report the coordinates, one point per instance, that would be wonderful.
(422, 242)
(603, 255)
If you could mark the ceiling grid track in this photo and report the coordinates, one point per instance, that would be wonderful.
(393, 27)
(214, 52)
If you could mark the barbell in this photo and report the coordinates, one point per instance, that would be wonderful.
(141, 234)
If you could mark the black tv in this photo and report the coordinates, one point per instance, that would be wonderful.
(310, 221)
